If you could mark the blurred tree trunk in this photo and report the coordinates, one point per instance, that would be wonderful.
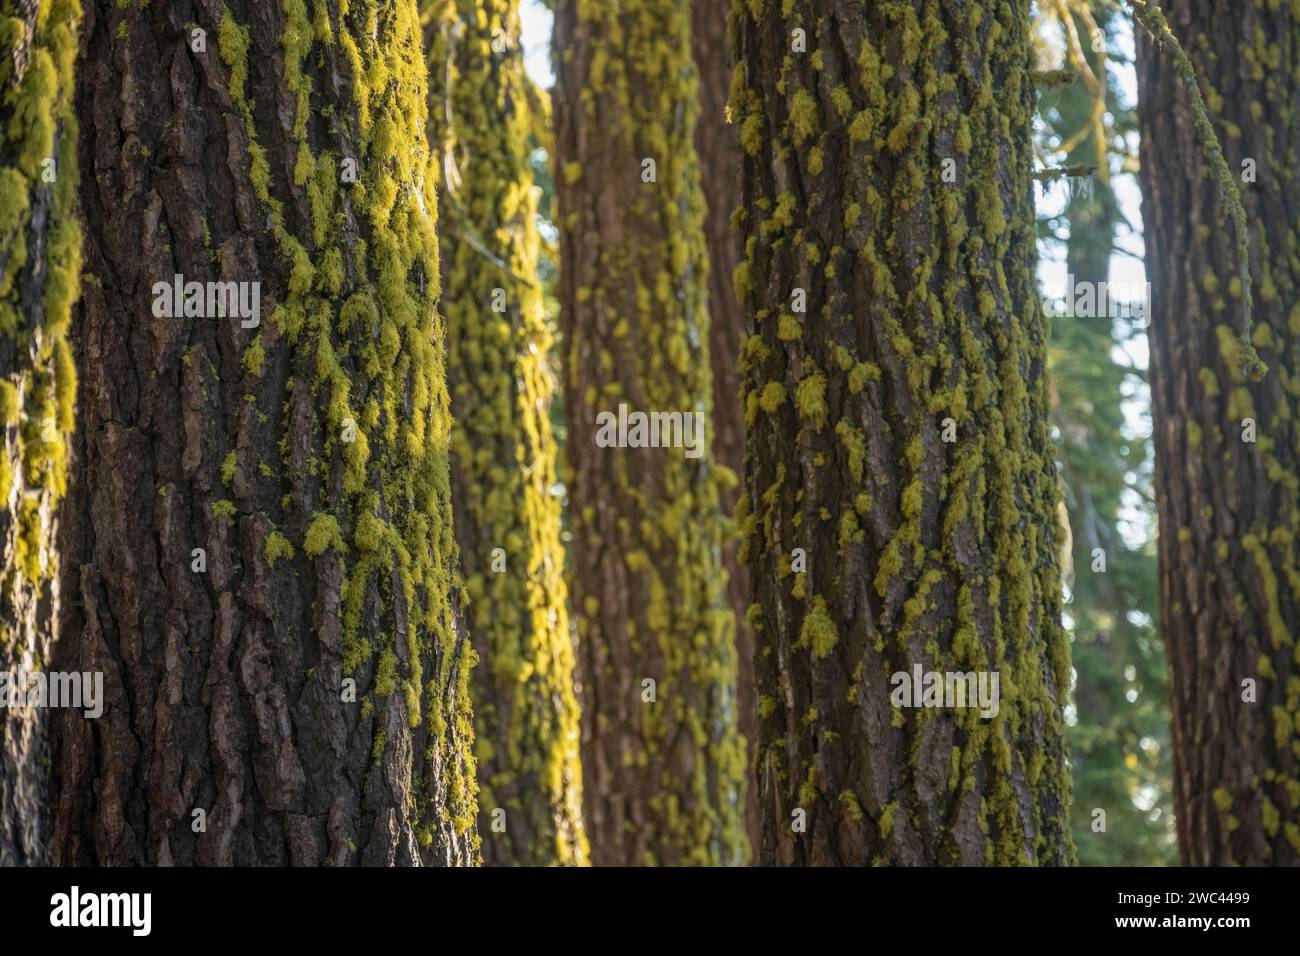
(898, 439)
(40, 263)
(261, 513)
(503, 472)
(663, 762)
(1229, 502)
(719, 149)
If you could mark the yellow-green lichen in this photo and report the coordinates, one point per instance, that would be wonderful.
(503, 449)
(40, 267)
(678, 765)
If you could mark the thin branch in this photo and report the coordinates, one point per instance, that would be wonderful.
(1053, 173)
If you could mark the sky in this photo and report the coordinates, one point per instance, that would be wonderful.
(536, 40)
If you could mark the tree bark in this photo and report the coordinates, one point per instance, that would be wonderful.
(40, 265)
(886, 178)
(504, 472)
(663, 763)
(719, 149)
(306, 456)
(1229, 508)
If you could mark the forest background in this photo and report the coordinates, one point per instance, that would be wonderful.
(1091, 228)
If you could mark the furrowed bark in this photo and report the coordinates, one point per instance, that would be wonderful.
(1228, 501)
(307, 456)
(663, 763)
(898, 434)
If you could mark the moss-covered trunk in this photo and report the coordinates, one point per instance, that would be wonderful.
(40, 247)
(719, 148)
(504, 479)
(261, 519)
(663, 764)
(1227, 447)
(901, 493)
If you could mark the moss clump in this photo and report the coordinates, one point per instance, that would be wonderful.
(277, 547)
(818, 631)
(323, 535)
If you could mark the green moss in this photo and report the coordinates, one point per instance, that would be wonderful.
(928, 312)
(224, 510)
(502, 443)
(810, 398)
(803, 116)
(10, 403)
(887, 815)
(277, 547)
(855, 445)
(818, 630)
(323, 535)
(386, 674)
(643, 327)
(772, 398)
(233, 42)
(40, 266)
(254, 357)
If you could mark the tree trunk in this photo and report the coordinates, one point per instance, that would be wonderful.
(663, 763)
(1228, 502)
(719, 149)
(261, 513)
(40, 264)
(503, 475)
(898, 437)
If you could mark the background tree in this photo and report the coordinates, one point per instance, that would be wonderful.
(262, 514)
(40, 262)
(896, 391)
(663, 764)
(1228, 498)
(719, 149)
(484, 112)
(1119, 734)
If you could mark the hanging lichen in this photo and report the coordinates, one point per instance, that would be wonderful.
(1152, 18)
